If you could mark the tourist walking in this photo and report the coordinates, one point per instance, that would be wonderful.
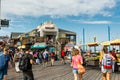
(45, 55)
(17, 56)
(4, 62)
(63, 56)
(106, 61)
(76, 61)
(39, 56)
(25, 65)
(52, 56)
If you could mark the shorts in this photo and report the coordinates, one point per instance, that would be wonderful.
(75, 71)
(103, 70)
(52, 57)
(46, 60)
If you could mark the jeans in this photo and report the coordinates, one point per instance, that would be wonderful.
(28, 75)
(1, 74)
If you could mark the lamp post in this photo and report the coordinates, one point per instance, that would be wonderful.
(109, 36)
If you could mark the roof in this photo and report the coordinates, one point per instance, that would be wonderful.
(15, 35)
(66, 31)
(92, 44)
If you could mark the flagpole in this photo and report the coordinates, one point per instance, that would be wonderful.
(109, 36)
(83, 40)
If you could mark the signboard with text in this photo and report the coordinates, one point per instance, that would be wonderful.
(4, 23)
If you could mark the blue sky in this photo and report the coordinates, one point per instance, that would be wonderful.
(93, 15)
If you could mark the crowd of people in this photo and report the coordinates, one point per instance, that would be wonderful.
(28, 57)
(15, 58)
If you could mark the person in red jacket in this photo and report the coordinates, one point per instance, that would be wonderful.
(52, 55)
(63, 56)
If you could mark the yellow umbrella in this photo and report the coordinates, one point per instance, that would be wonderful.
(107, 43)
(115, 42)
(92, 44)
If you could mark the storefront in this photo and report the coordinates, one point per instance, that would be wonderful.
(48, 31)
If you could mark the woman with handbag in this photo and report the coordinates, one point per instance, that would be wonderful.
(78, 69)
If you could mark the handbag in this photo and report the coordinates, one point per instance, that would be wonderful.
(81, 69)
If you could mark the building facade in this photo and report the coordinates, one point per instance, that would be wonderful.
(46, 34)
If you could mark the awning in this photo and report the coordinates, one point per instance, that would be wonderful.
(115, 42)
(92, 44)
(23, 46)
(107, 43)
(38, 46)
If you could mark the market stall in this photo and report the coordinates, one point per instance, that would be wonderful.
(93, 58)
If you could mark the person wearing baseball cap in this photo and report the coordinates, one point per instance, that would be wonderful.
(77, 47)
(76, 61)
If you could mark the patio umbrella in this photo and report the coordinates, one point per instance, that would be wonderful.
(93, 44)
(107, 43)
(115, 42)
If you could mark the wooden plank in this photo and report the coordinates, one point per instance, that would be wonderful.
(61, 72)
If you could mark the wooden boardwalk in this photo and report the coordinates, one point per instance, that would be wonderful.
(60, 72)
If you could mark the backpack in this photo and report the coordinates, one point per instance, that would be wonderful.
(46, 55)
(107, 61)
(2, 61)
(24, 63)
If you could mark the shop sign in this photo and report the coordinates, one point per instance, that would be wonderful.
(49, 27)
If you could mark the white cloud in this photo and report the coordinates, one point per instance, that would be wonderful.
(96, 22)
(56, 7)
(93, 21)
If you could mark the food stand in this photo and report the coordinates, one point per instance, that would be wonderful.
(93, 58)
